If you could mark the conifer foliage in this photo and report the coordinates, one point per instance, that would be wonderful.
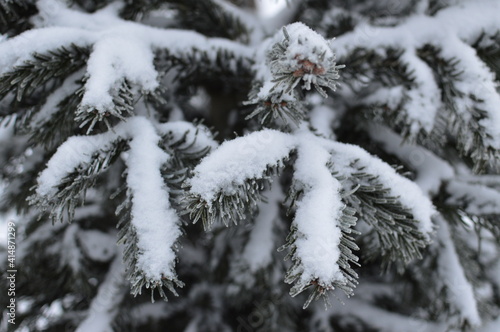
(197, 166)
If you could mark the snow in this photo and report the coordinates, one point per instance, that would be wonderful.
(432, 171)
(476, 80)
(71, 254)
(240, 159)
(319, 210)
(258, 251)
(425, 96)
(317, 215)
(155, 221)
(450, 30)
(450, 270)
(478, 199)
(98, 246)
(122, 50)
(465, 22)
(117, 57)
(380, 319)
(77, 150)
(15, 51)
(322, 118)
(248, 18)
(199, 134)
(104, 307)
(305, 43)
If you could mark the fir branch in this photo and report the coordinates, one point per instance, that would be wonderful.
(53, 131)
(91, 5)
(185, 154)
(234, 206)
(14, 16)
(472, 142)
(488, 49)
(288, 66)
(25, 80)
(478, 201)
(289, 63)
(393, 88)
(228, 182)
(436, 6)
(123, 106)
(396, 236)
(72, 189)
(319, 242)
(127, 235)
(204, 16)
(195, 66)
(347, 245)
(277, 109)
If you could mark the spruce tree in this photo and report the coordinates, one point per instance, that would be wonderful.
(191, 165)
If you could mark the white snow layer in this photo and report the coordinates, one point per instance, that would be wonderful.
(431, 170)
(378, 318)
(259, 249)
(105, 305)
(77, 150)
(306, 44)
(155, 221)
(317, 215)
(460, 291)
(240, 159)
(478, 199)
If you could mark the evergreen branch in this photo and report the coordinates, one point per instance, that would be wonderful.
(195, 66)
(14, 16)
(436, 6)
(384, 67)
(204, 16)
(397, 234)
(127, 235)
(276, 109)
(185, 153)
(347, 245)
(331, 22)
(72, 189)
(478, 201)
(233, 206)
(488, 50)
(289, 64)
(60, 125)
(395, 84)
(91, 5)
(228, 182)
(25, 80)
(319, 242)
(123, 106)
(462, 110)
